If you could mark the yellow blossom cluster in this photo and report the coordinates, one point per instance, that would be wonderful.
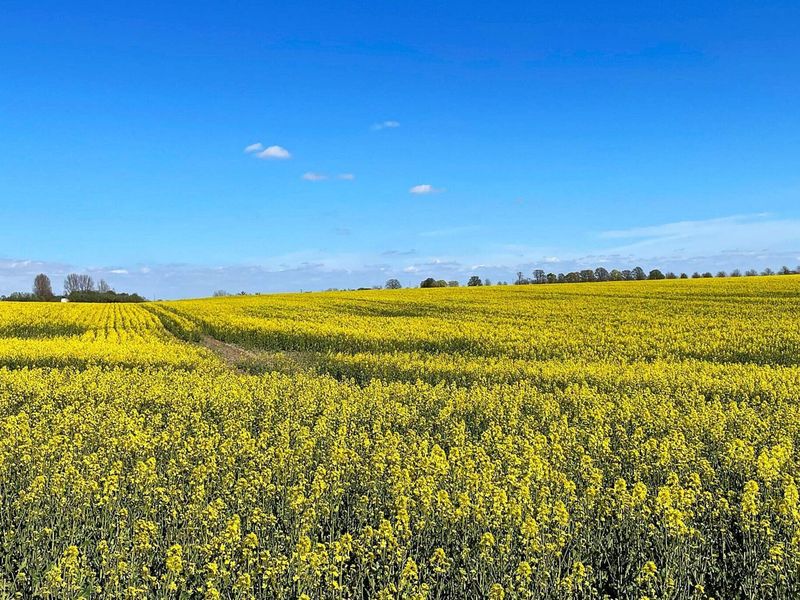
(631, 440)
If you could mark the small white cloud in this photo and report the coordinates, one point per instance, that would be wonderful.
(311, 176)
(386, 125)
(346, 176)
(144, 270)
(425, 188)
(119, 271)
(274, 153)
(410, 269)
(257, 147)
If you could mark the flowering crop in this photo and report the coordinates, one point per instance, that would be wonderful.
(630, 440)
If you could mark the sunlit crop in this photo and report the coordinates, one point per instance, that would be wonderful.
(628, 440)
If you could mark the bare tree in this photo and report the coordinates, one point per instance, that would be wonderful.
(76, 282)
(220, 293)
(103, 287)
(393, 284)
(42, 288)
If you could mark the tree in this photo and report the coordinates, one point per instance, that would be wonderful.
(103, 287)
(440, 283)
(767, 271)
(785, 270)
(750, 273)
(75, 282)
(722, 274)
(616, 275)
(707, 275)
(684, 276)
(20, 297)
(474, 281)
(670, 275)
(42, 288)
(602, 274)
(627, 275)
(573, 277)
(552, 278)
(393, 284)
(487, 281)
(220, 293)
(655, 274)
(453, 283)
(736, 273)
(428, 283)
(695, 275)
(587, 275)
(539, 276)
(639, 274)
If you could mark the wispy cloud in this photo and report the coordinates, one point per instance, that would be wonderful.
(386, 125)
(311, 176)
(257, 147)
(745, 241)
(274, 153)
(682, 229)
(346, 176)
(754, 234)
(425, 188)
(449, 231)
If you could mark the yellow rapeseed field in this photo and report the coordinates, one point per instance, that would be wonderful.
(611, 440)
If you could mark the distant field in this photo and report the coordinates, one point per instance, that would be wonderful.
(632, 439)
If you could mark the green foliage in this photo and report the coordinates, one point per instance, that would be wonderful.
(104, 297)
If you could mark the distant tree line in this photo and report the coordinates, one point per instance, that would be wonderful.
(77, 288)
(635, 274)
(539, 276)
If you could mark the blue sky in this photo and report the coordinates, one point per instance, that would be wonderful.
(553, 135)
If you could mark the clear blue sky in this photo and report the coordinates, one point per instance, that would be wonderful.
(555, 135)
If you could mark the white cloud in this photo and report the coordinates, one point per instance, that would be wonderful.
(274, 153)
(257, 147)
(119, 271)
(425, 188)
(346, 176)
(386, 125)
(311, 176)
